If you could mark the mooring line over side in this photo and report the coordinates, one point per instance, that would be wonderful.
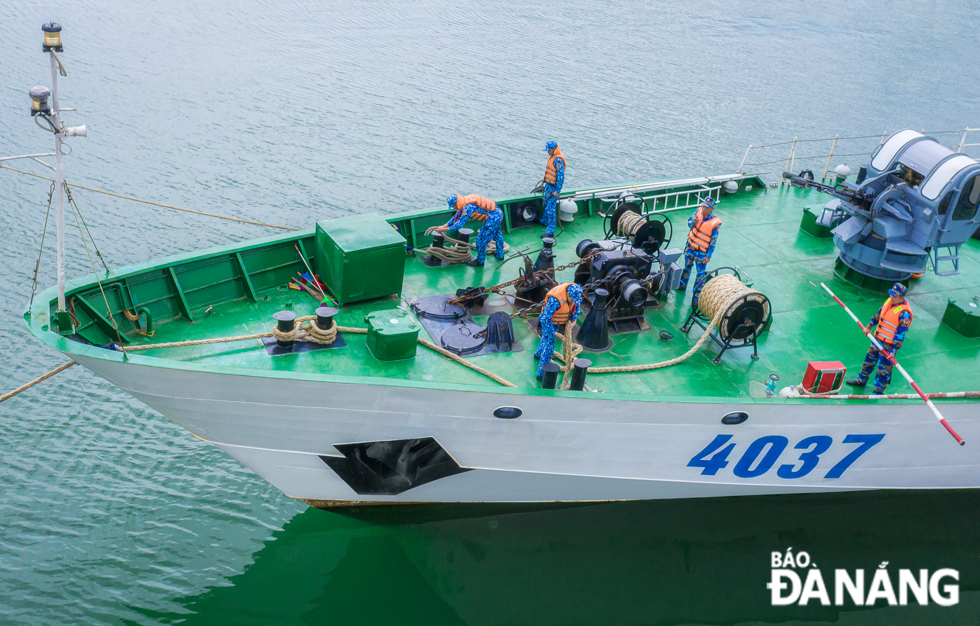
(165, 206)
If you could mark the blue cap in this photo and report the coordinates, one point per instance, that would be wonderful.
(898, 289)
(551, 145)
(451, 200)
(709, 202)
(574, 290)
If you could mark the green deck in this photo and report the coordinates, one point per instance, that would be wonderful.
(761, 236)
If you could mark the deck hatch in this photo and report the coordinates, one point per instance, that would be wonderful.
(392, 467)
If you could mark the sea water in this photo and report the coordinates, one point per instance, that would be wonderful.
(289, 112)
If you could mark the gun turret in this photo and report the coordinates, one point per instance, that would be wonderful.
(850, 195)
(915, 207)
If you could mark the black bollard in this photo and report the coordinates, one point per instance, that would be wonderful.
(594, 332)
(579, 369)
(550, 377)
(546, 258)
(464, 234)
(324, 317)
(285, 321)
(438, 241)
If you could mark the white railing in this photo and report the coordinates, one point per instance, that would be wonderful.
(692, 199)
(840, 147)
(663, 202)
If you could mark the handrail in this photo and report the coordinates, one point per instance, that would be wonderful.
(792, 158)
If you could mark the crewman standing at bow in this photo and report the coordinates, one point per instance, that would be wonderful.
(561, 306)
(483, 210)
(554, 178)
(701, 242)
(893, 320)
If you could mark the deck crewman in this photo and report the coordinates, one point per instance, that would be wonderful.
(893, 320)
(554, 178)
(561, 306)
(704, 225)
(483, 210)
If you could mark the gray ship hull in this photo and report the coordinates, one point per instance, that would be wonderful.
(335, 443)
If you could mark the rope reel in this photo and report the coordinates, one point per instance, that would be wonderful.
(743, 311)
(647, 232)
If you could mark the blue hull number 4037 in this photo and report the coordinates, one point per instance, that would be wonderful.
(763, 453)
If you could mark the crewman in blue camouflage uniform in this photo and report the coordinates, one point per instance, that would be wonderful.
(554, 178)
(893, 320)
(704, 225)
(483, 210)
(562, 305)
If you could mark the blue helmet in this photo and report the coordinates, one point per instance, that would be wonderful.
(452, 201)
(898, 289)
(551, 145)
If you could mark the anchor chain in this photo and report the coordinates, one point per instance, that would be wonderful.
(499, 288)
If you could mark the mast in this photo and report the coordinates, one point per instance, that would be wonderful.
(59, 171)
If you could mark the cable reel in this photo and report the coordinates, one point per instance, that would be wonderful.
(743, 314)
(649, 232)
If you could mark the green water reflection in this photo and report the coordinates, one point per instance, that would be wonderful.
(668, 562)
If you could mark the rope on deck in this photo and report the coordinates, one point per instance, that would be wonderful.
(37, 380)
(716, 297)
(460, 252)
(309, 331)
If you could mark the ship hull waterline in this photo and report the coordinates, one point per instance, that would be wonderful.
(560, 449)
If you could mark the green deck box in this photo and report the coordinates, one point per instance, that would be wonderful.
(392, 335)
(359, 257)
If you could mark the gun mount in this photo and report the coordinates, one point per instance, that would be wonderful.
(912, 206)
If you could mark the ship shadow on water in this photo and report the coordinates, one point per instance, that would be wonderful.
(661, 562)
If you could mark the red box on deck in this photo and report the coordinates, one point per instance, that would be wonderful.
(823, 376)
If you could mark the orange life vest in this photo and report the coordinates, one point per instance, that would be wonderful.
(485, 206)
(888, 320)
(700, 236)
(550, 171)
(568, 307)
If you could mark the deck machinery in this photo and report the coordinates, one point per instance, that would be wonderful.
(913, 206)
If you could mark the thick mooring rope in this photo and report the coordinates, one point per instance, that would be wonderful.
(37, 380)
(717, 298)
(569, 352)
(309, 331)
(305, 330)
(460, 251)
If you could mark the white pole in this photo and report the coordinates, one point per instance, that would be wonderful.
(59, 179)
(829, 157)
(901, 370)
(742, 164)
(789, 161)
(962, 141)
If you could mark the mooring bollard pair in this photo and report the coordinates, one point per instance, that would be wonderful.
(580, 368)
(286, 322)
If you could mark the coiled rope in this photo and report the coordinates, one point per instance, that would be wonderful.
(717, 300)
(460, 251)
(629, 222)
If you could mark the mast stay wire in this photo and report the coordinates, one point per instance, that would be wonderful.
(165, 206)
(44, 231)
(108, 309)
